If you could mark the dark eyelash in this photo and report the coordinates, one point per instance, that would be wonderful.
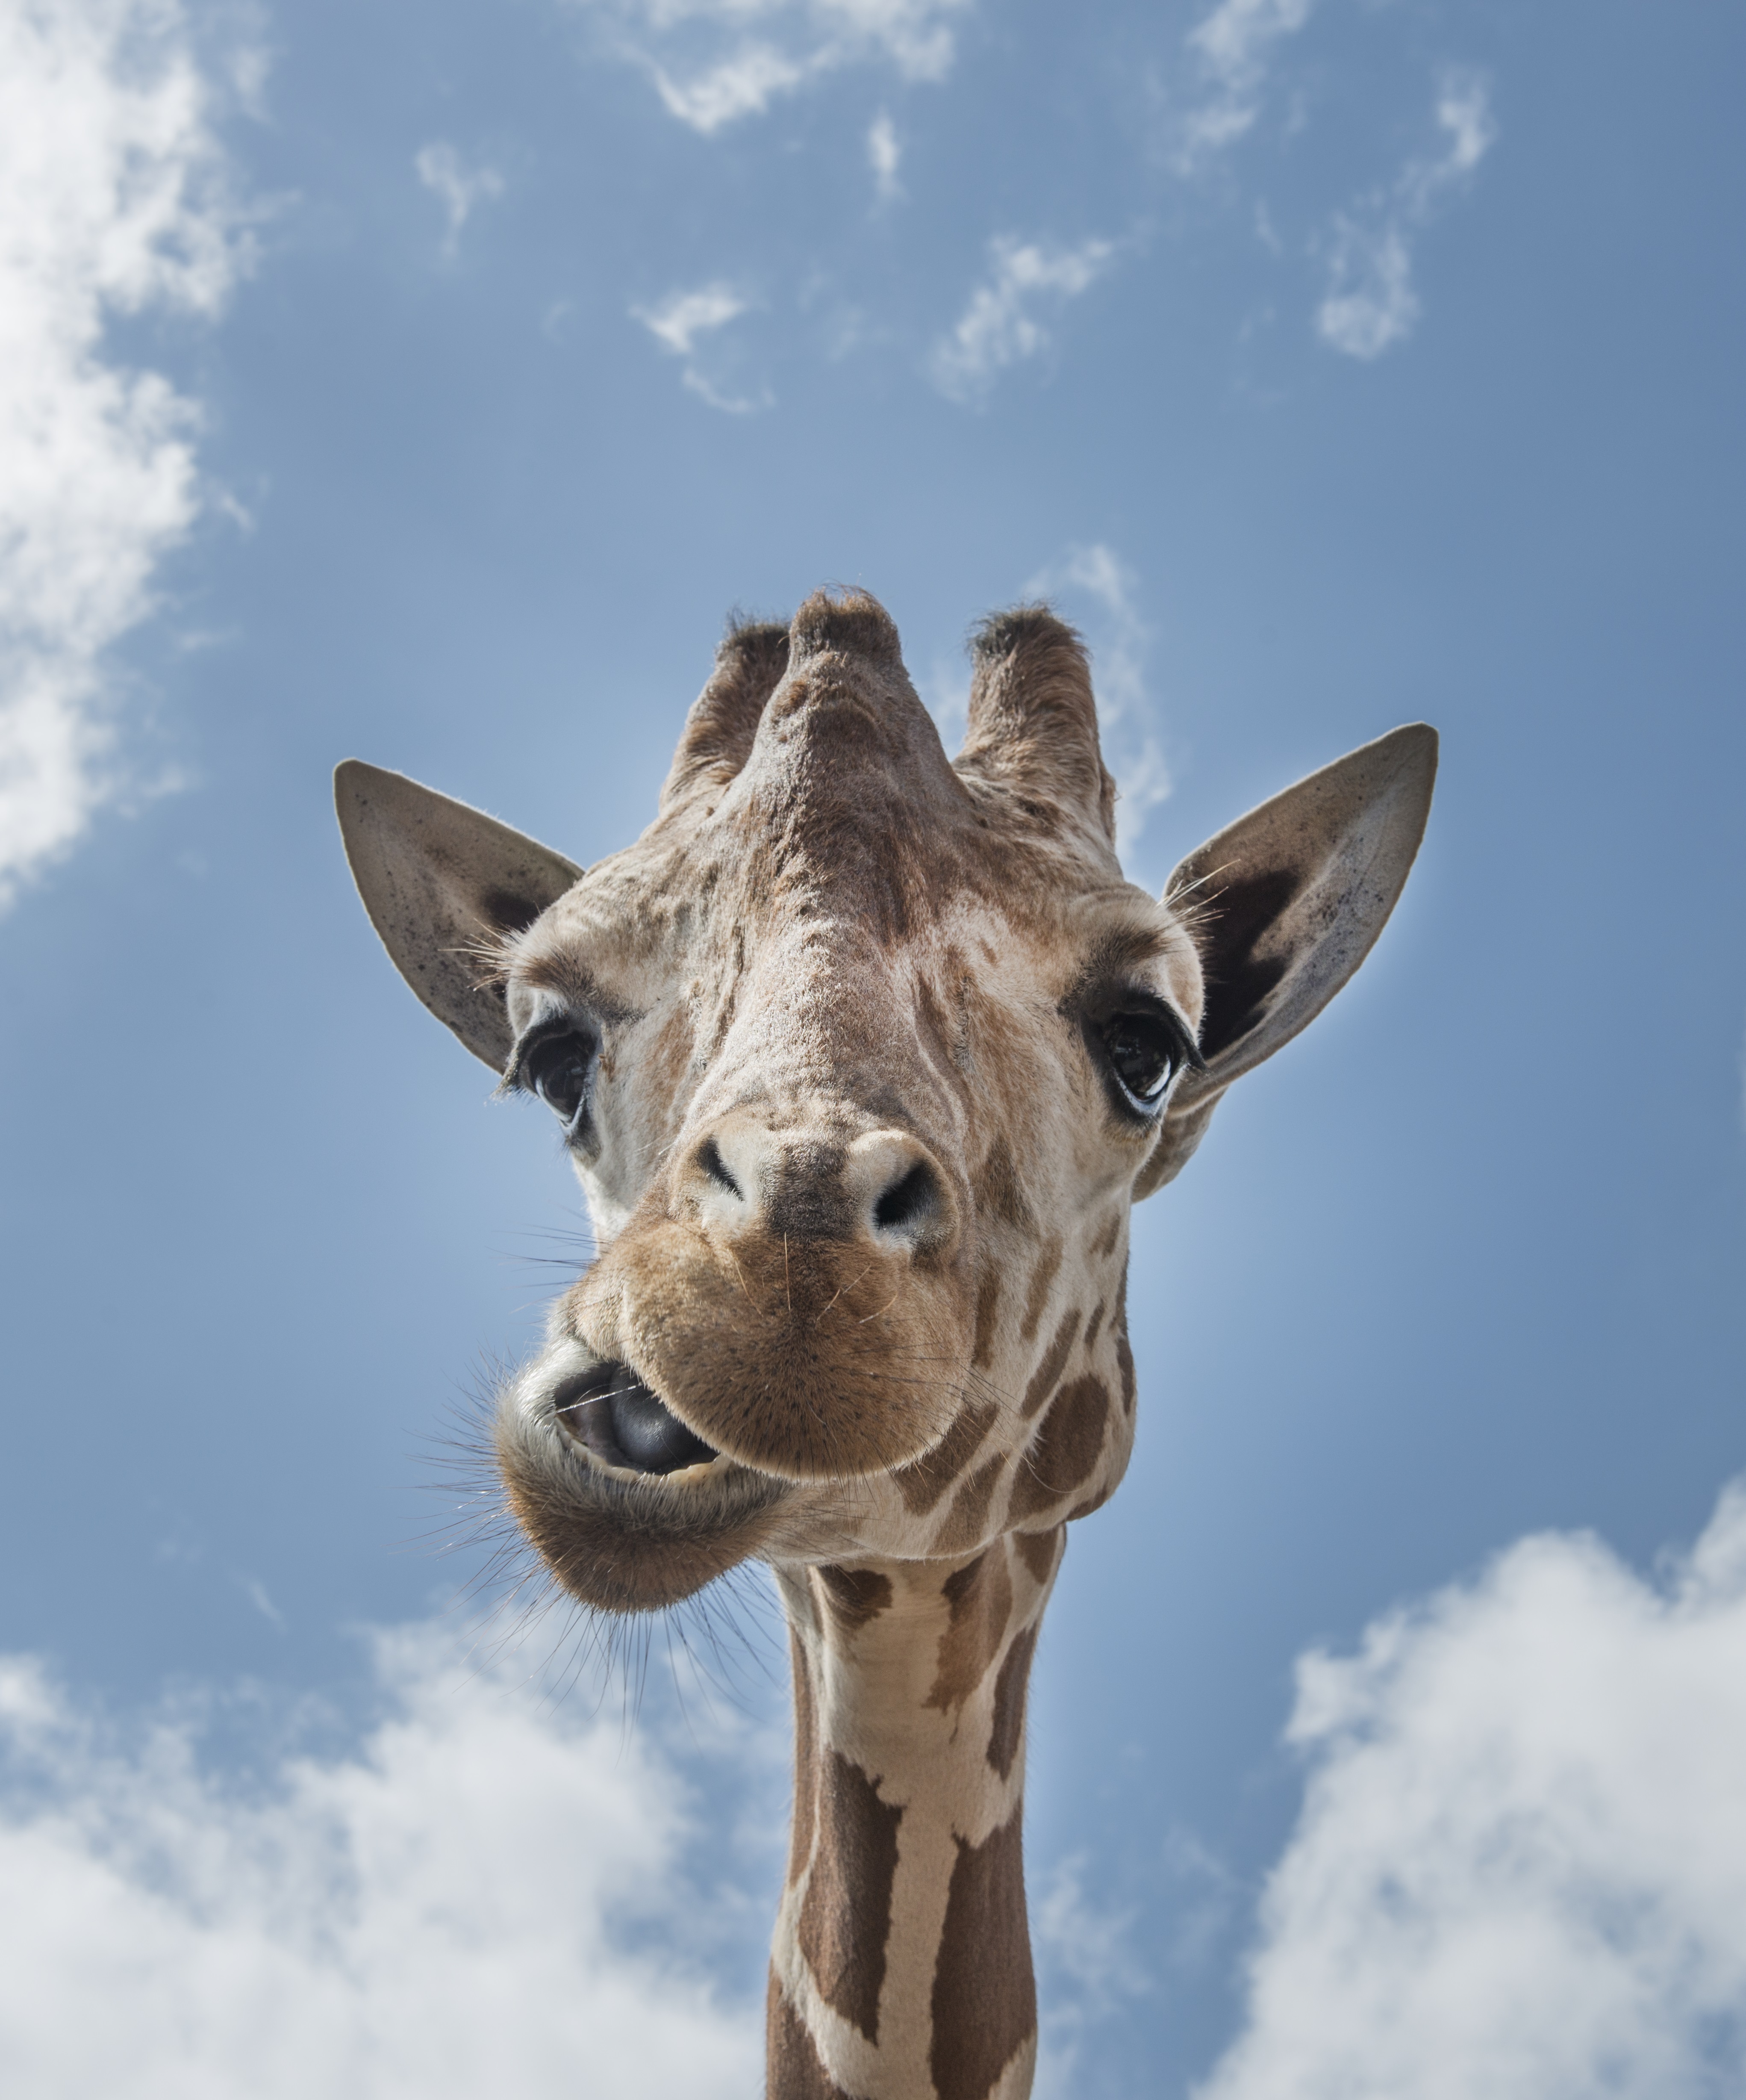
(1186, 1043)
(1133, 999)
(513, 1081)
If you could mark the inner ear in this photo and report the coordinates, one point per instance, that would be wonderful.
(1241, 971)
(443, 884)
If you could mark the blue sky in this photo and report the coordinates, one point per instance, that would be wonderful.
(426, 384)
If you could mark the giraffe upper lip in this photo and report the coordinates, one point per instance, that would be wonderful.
(623, 1423)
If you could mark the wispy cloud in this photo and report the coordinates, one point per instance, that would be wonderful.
(1094, 588)
(488, 1895)
(115, 198)
(1087, 1942)
(681, 321)
(715, 61)
(999, 327)
(1370, 305)
(458, 187)
(1520, 1870)
(1231, 50)
(884, 153)
(1087, 1963)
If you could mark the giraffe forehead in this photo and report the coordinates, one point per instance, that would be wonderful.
(847, 906)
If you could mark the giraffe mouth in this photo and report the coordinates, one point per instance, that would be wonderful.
(628, 1507)
(624, 1426)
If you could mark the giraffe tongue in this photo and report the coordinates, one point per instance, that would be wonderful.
(652, 1439)
(611, 1411)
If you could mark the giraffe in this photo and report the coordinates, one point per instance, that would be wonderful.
(862, 1056)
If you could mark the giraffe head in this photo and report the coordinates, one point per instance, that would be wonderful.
(863, 1056)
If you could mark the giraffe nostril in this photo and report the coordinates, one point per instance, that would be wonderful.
(910, 1200)
(716, 1168)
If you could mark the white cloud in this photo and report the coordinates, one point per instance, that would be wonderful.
(1464, 111)
(490, 1896)
(1233, 48)
(884, 153)
(1520, 1871)
(683, 316)
(458, 187)
(999, 326)
(114, 201)
(1094, 588)
(741, 86)
(680, 321)
(713, 61)
(1370, 304)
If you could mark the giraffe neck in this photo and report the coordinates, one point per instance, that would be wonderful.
(900, 1968)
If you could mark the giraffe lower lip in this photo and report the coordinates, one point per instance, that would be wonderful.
(620, 1420)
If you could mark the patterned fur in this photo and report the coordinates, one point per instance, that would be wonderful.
(862, 1174)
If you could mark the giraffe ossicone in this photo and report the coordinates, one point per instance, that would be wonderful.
(863, 1056)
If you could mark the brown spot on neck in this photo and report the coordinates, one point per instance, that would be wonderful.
(792, 2069)
(960, 1587)
(1008, 1730)
(980, 1597)
(854, 1595)
(985, 1996)
(845, 1914)
(1039, 1550)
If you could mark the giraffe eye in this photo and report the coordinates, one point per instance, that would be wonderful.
(1143, 1054)
(558, 1070)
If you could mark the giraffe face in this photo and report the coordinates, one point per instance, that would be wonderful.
(859, 1060)
(861, 1055)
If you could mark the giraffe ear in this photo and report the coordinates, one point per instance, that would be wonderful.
(440, 882)
(1033, 721)
(1286, 903)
